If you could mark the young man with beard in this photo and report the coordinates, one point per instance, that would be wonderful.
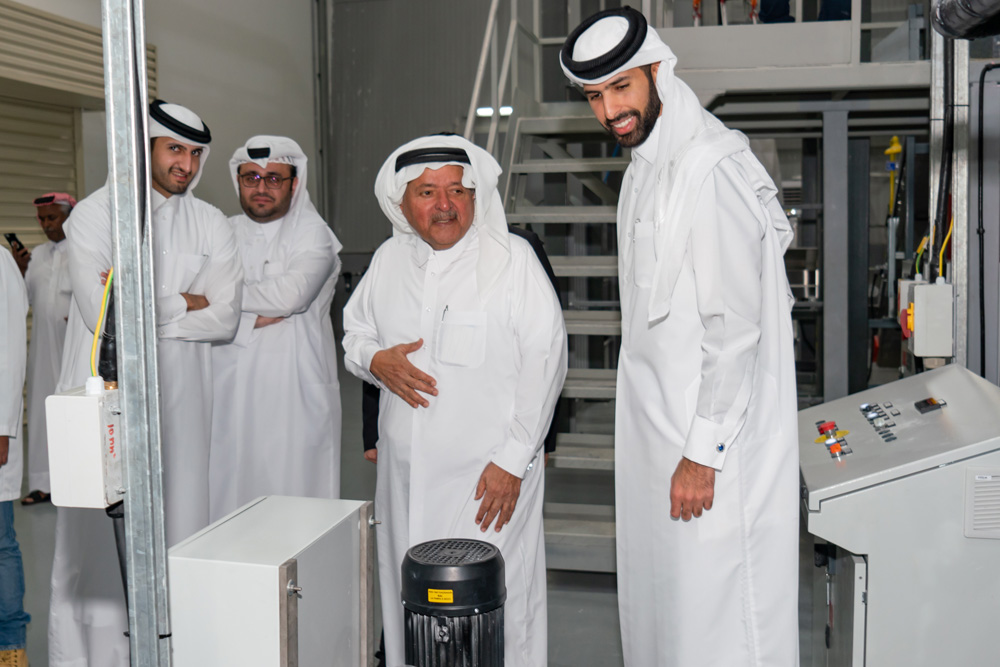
(198, 289)
(46, 275)
(276, 382)
(705, 425)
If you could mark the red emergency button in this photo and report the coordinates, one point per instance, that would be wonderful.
(826, 427)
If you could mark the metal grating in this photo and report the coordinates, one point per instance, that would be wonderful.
(452, 552)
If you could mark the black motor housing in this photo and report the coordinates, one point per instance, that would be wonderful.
(453, 594)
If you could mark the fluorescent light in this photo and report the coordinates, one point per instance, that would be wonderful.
(487, 112)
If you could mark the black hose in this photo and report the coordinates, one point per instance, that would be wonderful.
(980, 230)
(947, 148)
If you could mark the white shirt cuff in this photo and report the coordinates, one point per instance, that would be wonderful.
(170, 309)
(706, 443)
(514, 457)
(245, 329)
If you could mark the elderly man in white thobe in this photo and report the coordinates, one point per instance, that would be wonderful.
(457, 320)
(13, 350)
(46, 274)
(198, 288)
(705, 425)
(276, 382)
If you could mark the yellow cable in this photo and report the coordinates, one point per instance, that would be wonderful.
(943, 246)
(100, 321)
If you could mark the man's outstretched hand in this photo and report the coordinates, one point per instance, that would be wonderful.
(402, 378)
(499, 491)
(692, 490)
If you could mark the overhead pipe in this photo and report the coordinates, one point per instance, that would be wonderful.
(967, 19)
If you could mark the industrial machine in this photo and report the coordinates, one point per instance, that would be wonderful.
(453, 595)
(903, 483)
(281, 581)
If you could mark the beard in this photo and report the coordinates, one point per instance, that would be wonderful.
(162, 178)
(647, 120)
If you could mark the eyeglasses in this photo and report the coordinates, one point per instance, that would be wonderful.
(271, 182)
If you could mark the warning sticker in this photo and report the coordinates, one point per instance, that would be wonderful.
(440, 596)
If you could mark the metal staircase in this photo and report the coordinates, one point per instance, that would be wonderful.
(560, 180)
(562, 174)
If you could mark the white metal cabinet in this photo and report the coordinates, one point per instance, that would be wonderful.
(280, 582)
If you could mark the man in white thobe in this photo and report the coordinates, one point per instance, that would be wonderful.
(276, 382)
(13, 350)
(457, 322)
(705, 424)
(198, 288)
(46, 274)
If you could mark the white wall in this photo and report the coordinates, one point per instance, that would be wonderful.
(245, 66)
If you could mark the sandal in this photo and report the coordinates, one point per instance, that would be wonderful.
(36, 498)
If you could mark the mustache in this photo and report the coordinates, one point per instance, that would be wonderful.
(444, 217)
(620, 117)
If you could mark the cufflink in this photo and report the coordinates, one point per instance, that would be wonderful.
(721, 447)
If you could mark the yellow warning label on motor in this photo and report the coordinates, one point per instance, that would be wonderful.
(440, 596)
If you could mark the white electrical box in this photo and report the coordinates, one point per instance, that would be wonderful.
(904, 480)
(933, 307)
(283, 582)
(85, 457)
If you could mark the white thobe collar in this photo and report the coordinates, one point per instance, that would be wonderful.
(444, 258)
(158, 199)
(268, 229)
(647, 150)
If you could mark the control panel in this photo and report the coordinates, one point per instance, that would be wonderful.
(897, 429)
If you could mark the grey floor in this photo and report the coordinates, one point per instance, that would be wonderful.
(583, 608)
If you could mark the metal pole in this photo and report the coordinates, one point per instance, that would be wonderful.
(126, 103)
(960, 201)
(481, 69)
(835, 256)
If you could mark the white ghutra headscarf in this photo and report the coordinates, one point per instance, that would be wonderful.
(692, 141)
(480, 172)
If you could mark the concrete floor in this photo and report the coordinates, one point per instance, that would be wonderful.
(583, 608)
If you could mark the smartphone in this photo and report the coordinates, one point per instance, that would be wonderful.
(15, 243)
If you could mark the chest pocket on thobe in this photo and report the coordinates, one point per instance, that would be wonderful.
(183, 270)
(643, 253)
(461, 339)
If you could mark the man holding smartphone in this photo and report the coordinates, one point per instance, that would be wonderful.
(46, 275)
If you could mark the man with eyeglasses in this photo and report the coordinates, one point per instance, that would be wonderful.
(46, 274)
(276, 424)
(198, 289)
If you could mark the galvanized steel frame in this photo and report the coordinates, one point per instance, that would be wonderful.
(128, 181)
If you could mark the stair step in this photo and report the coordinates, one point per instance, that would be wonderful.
(580, 537)
(570, 166)
(560, 125)
(584, 451)
(546, 215)
(593, 322)
(596, 383)
(594, 266)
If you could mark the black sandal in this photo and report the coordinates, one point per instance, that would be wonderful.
(36, 498)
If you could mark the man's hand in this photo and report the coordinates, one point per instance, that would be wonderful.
(264, 321)
(371, 455)
(499, 491)
(692, 489)
(195, 301)
(402, 378)
(4, 448)
(104, 278)
(22, 257)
